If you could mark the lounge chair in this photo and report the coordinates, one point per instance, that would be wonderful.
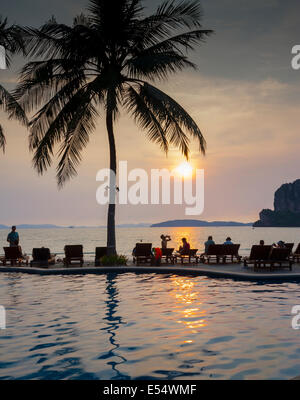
(258, 255)
(290, 246)
(14, 256)
(221, 253)
(279, 258)
(189, 256)
(167, 254)
(143, 253)
(231, 252)
(73, 254)
(42, 258)
(214, 254)
(100, 252)
(296, 254)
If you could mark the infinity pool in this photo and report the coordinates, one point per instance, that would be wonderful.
(147, 327)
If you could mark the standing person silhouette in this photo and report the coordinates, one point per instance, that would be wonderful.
(13, 237)
(164, 241)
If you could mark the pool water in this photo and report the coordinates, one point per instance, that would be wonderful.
(131, 326)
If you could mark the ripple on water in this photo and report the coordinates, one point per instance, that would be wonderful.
(146, 327)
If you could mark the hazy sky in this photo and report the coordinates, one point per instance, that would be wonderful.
(245, 97)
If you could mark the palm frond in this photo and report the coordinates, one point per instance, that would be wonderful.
(76, 139)
(54, 131)
(2, 139)
(145, 118)
(45, 81)
(9, 105)
(49, 131)
(157, 66)
(54, 114)
(184, 13)
(170, 17)
(174, 120)
(11, 39)
(176, 112)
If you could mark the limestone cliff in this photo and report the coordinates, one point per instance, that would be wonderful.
(287, 197)
(286, 208)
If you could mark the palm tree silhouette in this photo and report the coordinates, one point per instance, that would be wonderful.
(11, 40)
(107, 60)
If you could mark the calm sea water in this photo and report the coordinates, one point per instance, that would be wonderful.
(90, 238)
(146, 326)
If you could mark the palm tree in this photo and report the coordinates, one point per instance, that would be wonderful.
(11, 41)
(108, 59)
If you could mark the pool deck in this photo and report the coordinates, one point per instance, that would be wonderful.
(228, 271)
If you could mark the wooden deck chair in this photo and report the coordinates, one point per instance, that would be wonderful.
(167, 255)
(189, 256)
(73, 254)
(279, 258)
(231, 252)
(42, 258)
(143, 253)
(296, 254)
(14, 256)
(258, 254)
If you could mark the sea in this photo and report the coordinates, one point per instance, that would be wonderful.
(90, 238)
(147, 326)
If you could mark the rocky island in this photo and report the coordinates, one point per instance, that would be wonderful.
(286, 208)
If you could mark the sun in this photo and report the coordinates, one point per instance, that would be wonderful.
(185, 169)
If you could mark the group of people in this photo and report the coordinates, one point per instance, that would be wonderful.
(13, 239)
(280, 244)
(185, 247)
(210, 242)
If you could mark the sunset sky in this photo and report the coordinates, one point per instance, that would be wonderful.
(245, 97)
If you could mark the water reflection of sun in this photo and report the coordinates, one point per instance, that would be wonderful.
(192, 317)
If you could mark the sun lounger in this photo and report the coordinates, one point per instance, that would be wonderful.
(167, 254)
(296, 254)
(100, 252)
(189, 256)
(279, 258)
(42, 258)
(143, 253)
(258, 255)
(217, 253)
(214, 254)
(73, 254)
(289, 246)
(231, 253)
(14, 256)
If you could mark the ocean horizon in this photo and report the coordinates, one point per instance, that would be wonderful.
(91, 238)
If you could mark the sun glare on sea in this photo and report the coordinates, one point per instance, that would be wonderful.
(185, 169)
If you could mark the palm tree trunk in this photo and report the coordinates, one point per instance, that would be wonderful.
(111, 229)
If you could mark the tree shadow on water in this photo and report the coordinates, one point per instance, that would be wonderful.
(113, 323)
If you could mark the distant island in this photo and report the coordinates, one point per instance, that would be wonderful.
(49, 226)
(189, 223)
(286, 213)
(29, 226)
